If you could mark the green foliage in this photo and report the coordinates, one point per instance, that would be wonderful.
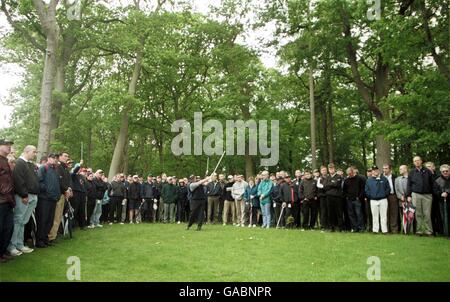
(194, 63)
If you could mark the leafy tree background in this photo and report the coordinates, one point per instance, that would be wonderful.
(193, 62)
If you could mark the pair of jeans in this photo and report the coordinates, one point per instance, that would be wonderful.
(22, 213)
(265, 209)
(355, 214)
(95, 217)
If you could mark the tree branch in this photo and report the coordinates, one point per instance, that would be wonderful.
(16, 25)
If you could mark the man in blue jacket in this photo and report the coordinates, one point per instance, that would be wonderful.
(49, 194)
(377, 190)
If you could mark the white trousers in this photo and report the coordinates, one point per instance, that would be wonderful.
(379, 212)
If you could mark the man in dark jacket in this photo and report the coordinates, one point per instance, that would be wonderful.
(442, 189)
(353, 190)
(322, 198)
(118, 197)
(436, 219)
(26, 188)
(134, 198)
(278, 201)
(148, 198)
(182, 202)
(308, 195)
(101, 186)
(419, 192)
(66, 192)
(49, 194)
(7, 202)
(377, 190)
(213, 191)
(296, 210)
(393, 206)
(228, 202)
(333, 191)
(78, 200)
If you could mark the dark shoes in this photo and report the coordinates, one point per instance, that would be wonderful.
(40, 244)
(5, 258)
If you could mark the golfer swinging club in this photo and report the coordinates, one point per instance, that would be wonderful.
(199, 199)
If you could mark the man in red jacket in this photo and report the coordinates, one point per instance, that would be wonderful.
(7, 203)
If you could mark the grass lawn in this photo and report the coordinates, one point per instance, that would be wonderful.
(158, 252)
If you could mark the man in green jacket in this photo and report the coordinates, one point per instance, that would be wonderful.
(264, 193)
(169, 194)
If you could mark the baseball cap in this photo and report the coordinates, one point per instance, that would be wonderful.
(4, 141)
(53, 155)
(374, 168)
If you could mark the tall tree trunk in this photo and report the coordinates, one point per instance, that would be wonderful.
(57, 100)
(47, 17)
(313, 119)
(324, 127)
(249, 167)
(363, 138)
(122, 140)
(330, 131)
(372, 95)
(63, 59)
(120, 150)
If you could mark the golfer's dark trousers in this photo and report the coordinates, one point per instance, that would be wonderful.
(392, 213)
(296, 212)
(45, 213)
(115, 207)
(310, 209)
(197, 212)
(335, 215)
(6, 226)
(186, 212)
(78, 203)
(323, 213)
(90, 208)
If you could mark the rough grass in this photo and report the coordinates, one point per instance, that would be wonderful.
(160, 252)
